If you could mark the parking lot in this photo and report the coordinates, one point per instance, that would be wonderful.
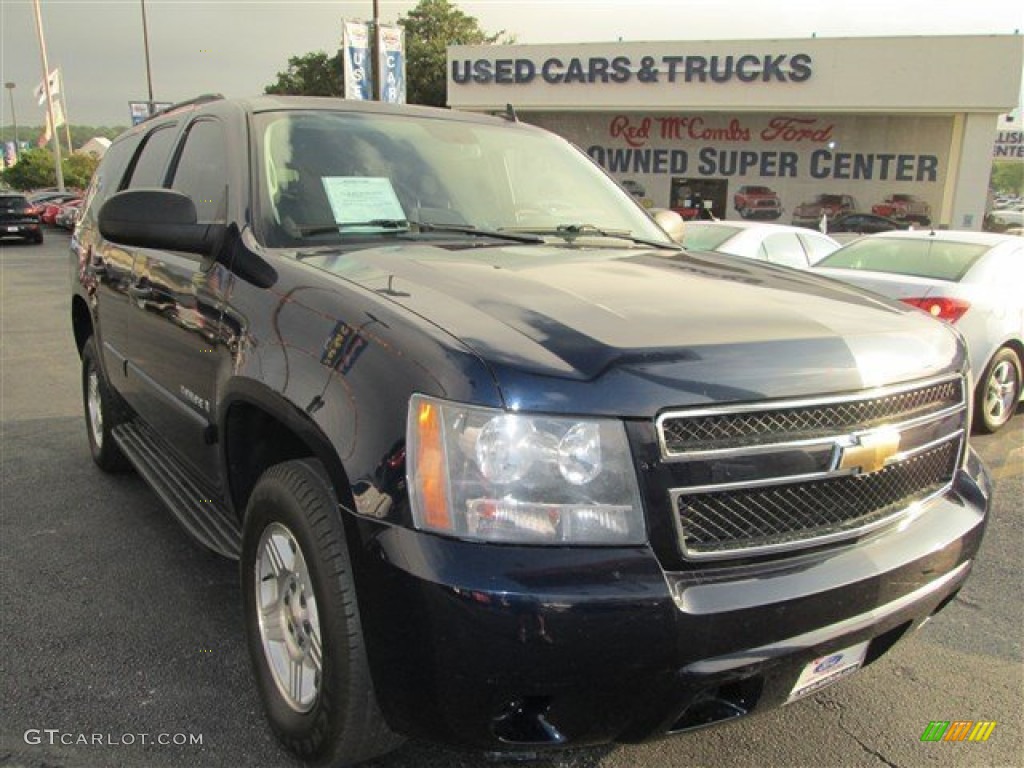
(115, 624)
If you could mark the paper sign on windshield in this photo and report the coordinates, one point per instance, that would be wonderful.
(362, 199)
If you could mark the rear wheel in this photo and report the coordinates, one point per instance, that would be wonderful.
(999, 391)
(103, 412)
(302, 621)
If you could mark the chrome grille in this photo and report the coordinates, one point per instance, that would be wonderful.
(757, 479)
(778, 514)
(683, 433)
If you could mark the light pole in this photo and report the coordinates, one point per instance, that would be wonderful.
(145, 45)
(14, 118)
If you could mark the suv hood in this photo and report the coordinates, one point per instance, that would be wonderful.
(630, 331)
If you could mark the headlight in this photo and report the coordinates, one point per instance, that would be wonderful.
(481, 473)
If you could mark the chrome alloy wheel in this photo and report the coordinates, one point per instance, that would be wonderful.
(288, 619)
(1001, 392)
(95, 404)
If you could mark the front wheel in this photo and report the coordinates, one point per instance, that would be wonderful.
(302, 621)
(999, 391)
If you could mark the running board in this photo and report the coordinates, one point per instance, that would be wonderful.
(199, 512)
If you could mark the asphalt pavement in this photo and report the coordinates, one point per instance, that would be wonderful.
(121, 641)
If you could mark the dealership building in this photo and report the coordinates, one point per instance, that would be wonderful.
(763, 128)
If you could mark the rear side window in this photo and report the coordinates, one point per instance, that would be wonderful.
(151, 165)
(201, 172)
(784, 248)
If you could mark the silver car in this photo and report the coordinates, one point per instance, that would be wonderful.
(776, 243)
(973, 280)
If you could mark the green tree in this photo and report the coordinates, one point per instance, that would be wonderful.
(314, 74)
(36, 169)
(78, 170)
(430, 28)
(1008, 176)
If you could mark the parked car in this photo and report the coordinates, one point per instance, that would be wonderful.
(1003, 220)
(864, 224)
(19, 218)
(776, 243)
(969, 279)
(50, 206)
(752, 201)
(68, 214)
(904, 207)
(486, 446)
(808, 214)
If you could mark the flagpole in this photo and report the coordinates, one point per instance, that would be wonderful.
(54, 139)
(67, 120)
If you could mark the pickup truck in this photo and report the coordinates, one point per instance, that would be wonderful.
(904, 208)
(752, 202)
(503, 466)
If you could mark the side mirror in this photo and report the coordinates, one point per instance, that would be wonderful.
(671, 222)
(157, 218)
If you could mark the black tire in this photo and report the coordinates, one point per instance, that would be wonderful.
(341, 724)
(38, 239)
(998, 391)
(109, 412)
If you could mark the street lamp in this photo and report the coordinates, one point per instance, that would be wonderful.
(145, 45)
(14, 118)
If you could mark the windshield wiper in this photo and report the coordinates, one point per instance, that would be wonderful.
(469, 229)
(390, 225)
(569, 232)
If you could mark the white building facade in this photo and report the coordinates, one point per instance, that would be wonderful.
(856, 119)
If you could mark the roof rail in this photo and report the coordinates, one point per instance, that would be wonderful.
(205, 98)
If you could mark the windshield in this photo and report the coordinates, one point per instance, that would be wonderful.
(333, 176)
(706, 237)
(935, 259)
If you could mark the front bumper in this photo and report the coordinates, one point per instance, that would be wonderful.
(517, 648)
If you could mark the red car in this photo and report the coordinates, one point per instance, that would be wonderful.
(757, 202)
(51, 207)
(904, 208)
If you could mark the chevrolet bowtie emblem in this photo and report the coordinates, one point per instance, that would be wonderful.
(869, 452)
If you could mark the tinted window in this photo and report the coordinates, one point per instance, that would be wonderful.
(12, 202)
(699, 237)
(107, 179)
(784, 248)
(151, 166)
(201, 172)
(921, 258)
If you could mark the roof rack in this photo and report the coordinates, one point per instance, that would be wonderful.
(203, 99)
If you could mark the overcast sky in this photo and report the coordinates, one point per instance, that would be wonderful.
(236, 48)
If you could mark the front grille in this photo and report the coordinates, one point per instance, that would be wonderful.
(756, 479)
(682, 434)
(777, 515)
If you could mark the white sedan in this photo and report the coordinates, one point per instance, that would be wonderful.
(973, 280)
(776, 243)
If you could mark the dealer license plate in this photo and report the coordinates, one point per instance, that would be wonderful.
(828, 669)
(12, 229)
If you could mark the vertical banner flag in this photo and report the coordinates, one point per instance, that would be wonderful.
(40, 90)
(10, 154)
(355, 42)
(391, 64)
